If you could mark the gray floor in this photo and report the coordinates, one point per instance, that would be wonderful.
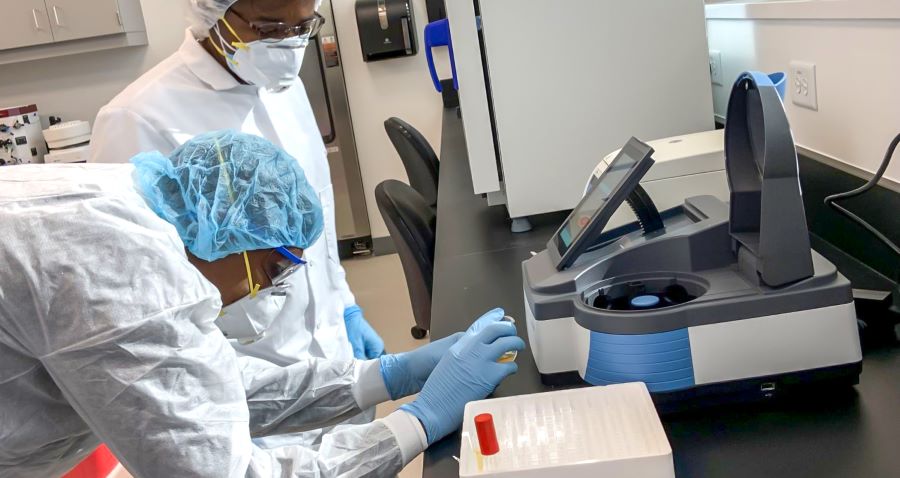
(380, 289)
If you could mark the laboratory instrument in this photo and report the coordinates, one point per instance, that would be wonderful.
(704, 301)
(613, 432)
(542, 92)
(685, 165)
(69, 142)
(21, 141)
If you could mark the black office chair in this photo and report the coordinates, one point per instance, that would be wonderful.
(411, 223)
(418, 158)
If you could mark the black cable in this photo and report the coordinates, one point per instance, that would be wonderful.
(831, 200)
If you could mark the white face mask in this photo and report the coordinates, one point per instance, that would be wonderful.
(274, 66)
(247, 319)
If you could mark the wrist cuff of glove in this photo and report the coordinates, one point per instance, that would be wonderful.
(349, 312)
(427, 420)
(395, 374)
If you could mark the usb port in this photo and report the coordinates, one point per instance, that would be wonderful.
(767, 387)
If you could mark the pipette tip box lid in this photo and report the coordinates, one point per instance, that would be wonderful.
(611, 431)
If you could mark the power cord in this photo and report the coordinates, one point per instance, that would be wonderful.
(831, 201)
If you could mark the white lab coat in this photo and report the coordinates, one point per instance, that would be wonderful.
(189, 93)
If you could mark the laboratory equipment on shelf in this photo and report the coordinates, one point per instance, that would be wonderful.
(613, 432)
(542, 92)
(21, 141)
(69, 142)
(704, 301)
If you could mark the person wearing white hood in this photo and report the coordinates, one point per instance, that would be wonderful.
(118, 288)
(238, 69)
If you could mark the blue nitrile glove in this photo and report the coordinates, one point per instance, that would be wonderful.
(469, 372)
(366, 343)
(405, 374)
(489, 318)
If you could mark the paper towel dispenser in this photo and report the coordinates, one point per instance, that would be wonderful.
(387, 29)
(436, 10)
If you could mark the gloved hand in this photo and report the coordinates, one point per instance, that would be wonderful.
(367, 345)
(489, 318)
(405, 374)
(469, 372)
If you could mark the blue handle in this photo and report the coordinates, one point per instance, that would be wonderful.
(779, 79)
(438, 34)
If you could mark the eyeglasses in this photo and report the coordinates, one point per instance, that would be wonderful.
(273, 32)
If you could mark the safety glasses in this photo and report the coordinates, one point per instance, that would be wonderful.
(273, 32)
(279, 265)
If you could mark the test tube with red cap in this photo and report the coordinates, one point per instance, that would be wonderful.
(487, 434)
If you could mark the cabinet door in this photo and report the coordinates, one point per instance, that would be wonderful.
(74, 19)
(23, 23)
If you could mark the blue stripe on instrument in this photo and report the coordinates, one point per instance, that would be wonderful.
(662, 361)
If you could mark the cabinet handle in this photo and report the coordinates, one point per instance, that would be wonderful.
(56, 16)
(37, 23)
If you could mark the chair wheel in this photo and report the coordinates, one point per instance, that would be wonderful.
(418, 333)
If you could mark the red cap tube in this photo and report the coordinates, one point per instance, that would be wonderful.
(487, 435)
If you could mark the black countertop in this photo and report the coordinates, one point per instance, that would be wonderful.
(848, 433)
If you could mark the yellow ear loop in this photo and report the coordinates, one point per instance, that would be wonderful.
(237, 44)
(254, 288)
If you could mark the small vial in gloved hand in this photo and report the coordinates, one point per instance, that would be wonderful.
(508, 356)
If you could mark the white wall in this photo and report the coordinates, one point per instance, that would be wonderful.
(77, 86)
(855, 45)
(400, 87)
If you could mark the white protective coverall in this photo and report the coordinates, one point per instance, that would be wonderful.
(107, 335)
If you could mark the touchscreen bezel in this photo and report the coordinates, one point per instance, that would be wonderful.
(564, 256)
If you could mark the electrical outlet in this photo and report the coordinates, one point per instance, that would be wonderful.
(803, 85)
(715, 67)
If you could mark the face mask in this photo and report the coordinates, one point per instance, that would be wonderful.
(247, 319)
(274, 66)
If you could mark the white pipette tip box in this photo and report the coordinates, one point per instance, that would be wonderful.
(611, 431)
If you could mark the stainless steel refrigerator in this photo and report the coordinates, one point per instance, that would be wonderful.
(323, 77)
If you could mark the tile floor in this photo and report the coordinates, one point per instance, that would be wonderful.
(380, 289)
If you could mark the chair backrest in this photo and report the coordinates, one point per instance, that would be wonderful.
(418, 158)
(411, 222)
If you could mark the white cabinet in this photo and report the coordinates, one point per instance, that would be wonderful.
(23, 23)
(36, 29)
(75, 19)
